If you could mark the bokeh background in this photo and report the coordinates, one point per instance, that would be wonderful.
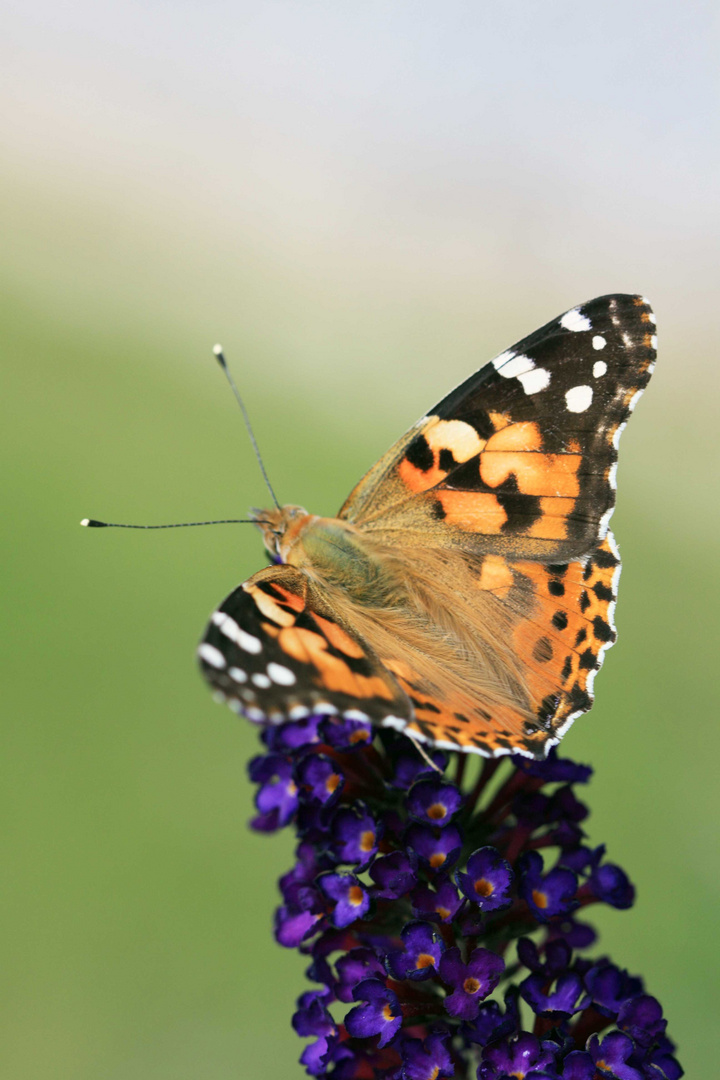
(363, 202)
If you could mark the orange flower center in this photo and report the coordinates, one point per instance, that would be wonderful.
(424, 960)
(443, 912)
(359, 736)
(539, 898)
(437, 859)
(367, 840)
(471, 985)
(355, 895)
(483, 887)
(332, 782)
(437, 811)
(387, 1012)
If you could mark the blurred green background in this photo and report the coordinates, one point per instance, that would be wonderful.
(363, 202)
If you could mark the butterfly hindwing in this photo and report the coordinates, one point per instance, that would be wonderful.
(521, 458)
(276, 651)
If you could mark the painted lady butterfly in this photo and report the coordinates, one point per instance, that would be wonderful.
(465, 592)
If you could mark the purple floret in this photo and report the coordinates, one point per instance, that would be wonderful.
(547, 895)
(470, 982)
(380, 1016)
(433, 803)
(488, 881)
(420, 957)
(351, 899)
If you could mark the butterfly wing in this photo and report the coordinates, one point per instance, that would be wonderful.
(520, 459)
(275, 650)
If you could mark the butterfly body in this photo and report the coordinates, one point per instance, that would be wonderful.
(465, 591)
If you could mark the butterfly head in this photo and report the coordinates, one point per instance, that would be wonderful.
(280, 527)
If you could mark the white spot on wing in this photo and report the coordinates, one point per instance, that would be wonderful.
(260, 680)
(237, 674)
(599, 342)
(503, 358)
(227, 626)
(573, 320)
(280, 674)
(579, 398)
(513, 366)
(211, 655)
(298, 712)
(599, 368)
(534, 381)
(355, 714)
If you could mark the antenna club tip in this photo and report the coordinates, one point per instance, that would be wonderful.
(218, 350)
(85, 522)
(91, 523)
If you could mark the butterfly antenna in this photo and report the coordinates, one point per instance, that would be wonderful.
(92, 523)
(219, 356)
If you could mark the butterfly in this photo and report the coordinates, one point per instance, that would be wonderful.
(465, 592)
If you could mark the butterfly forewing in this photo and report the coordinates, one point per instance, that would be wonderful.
(520, 459)
(276, 651)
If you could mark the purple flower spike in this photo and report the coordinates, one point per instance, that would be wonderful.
(380, 1016)
(355, 836)
(420, 958)
(469, 982)
(434, 803)
(488, 880)
(439, 905)
(428, 1060)
(351, 899)
(546, 895)
(558, 1002)
(394, 875)
(319, 779)
(437, 848)
(376, 845)
(610, 1057)
(520, 1057)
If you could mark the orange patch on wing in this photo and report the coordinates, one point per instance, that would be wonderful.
(338, 638)
(307, 647)
(290, 598)
(495, 575)
(416, 479)
(536, 474)
(553, 523)
(499, 420)
(522, 436)
(472, 510)
(269, 607)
